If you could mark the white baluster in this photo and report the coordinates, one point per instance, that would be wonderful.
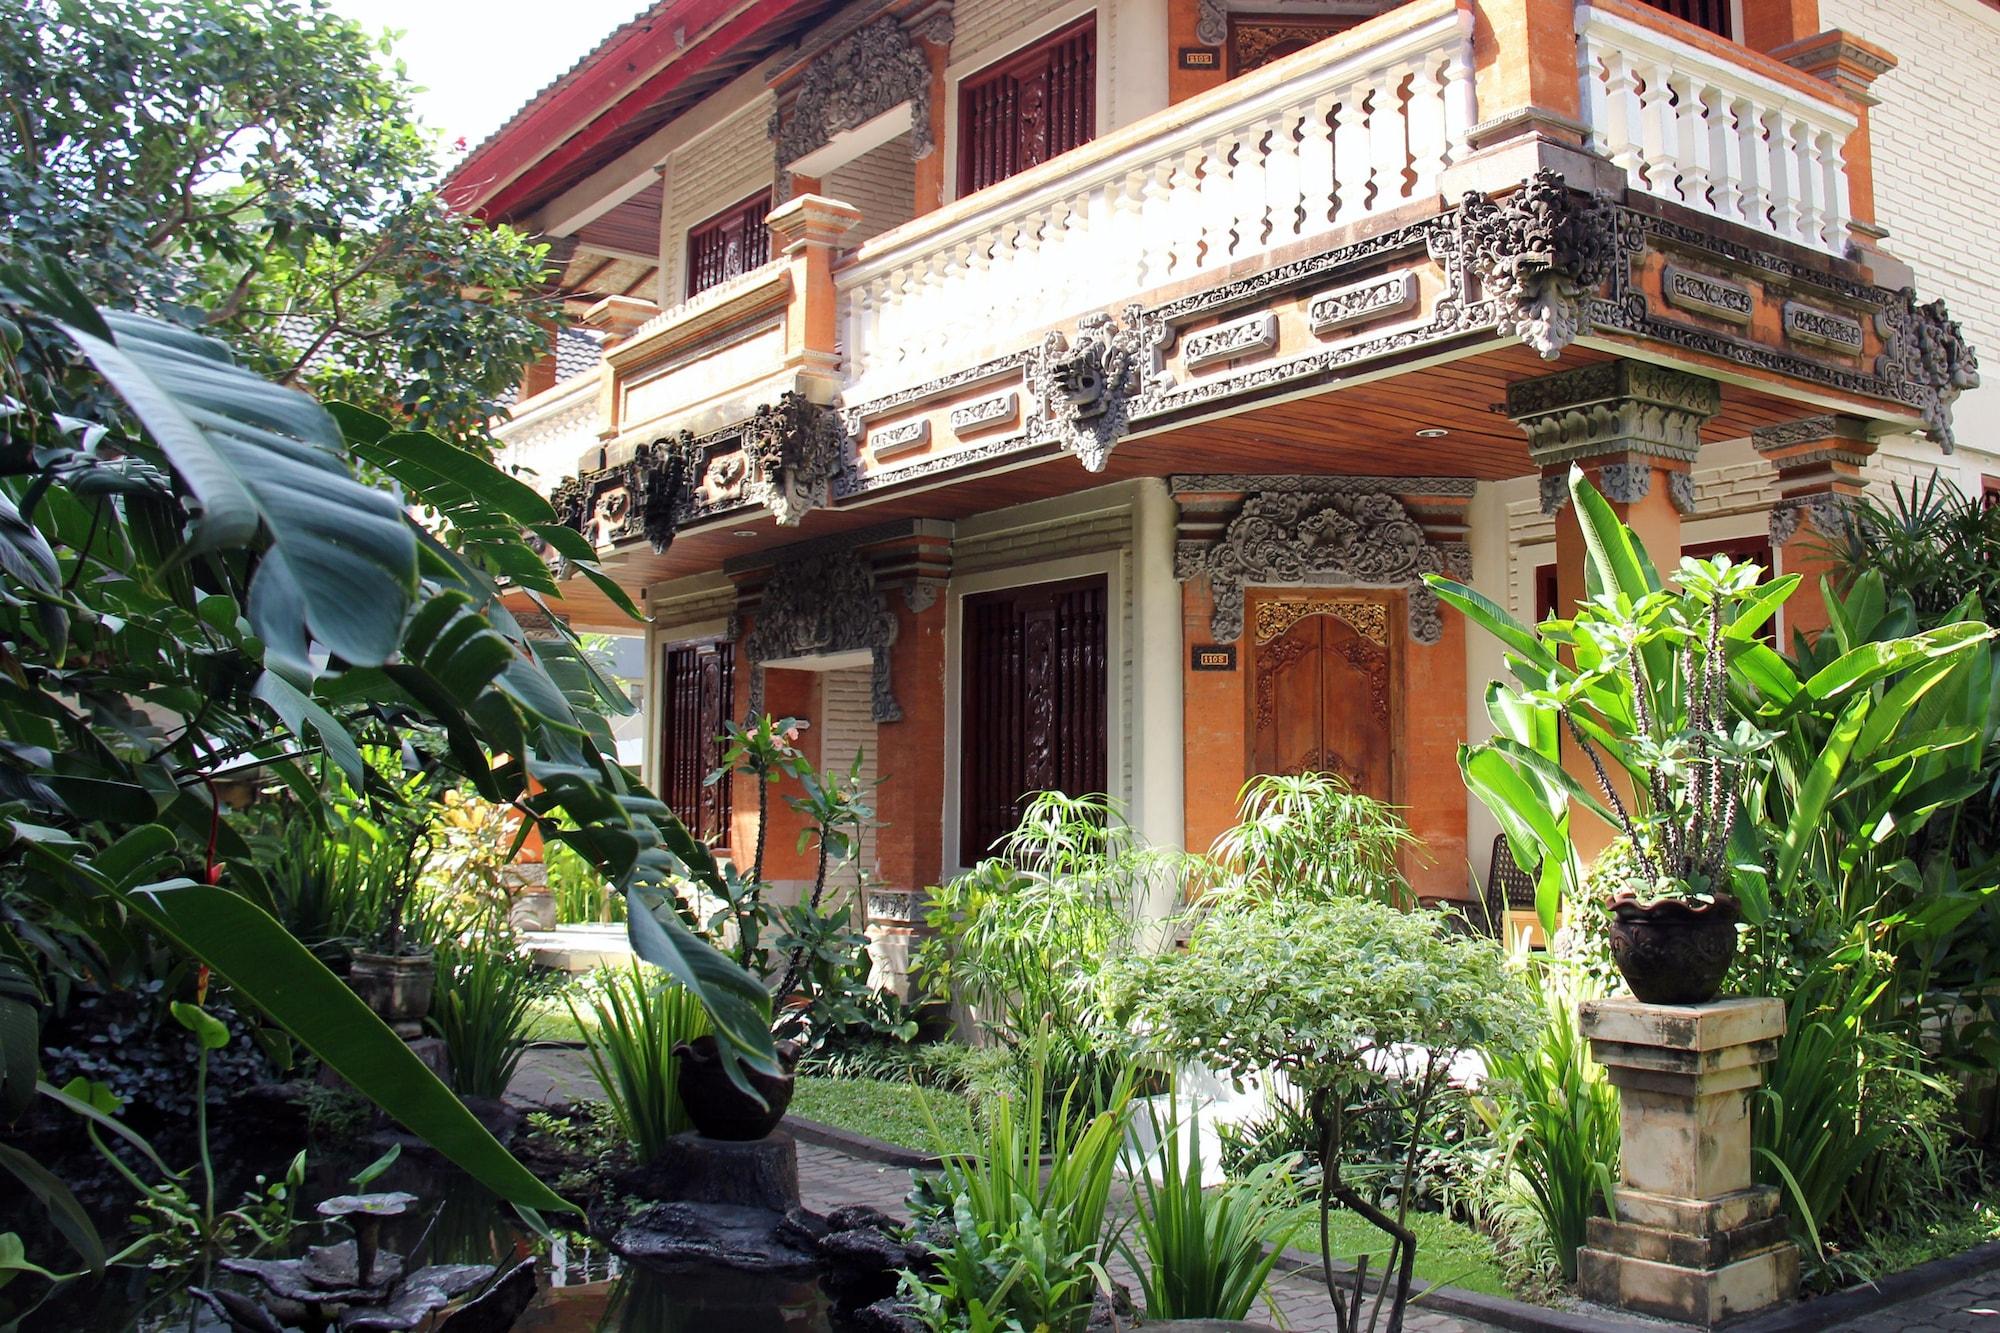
(1833, 177)
(1388, 144)
(1725, 156)
(1218, 202)
(1282, 191)
(1430, 145)
(1461, 105)
(1812, 184)
(1154, 238)
(1754, 158)
(1691, 148)
(1656, 131)
(1350, 154)
(1249, 213)
(1316, 166)
(1622, 129)
(1785, 182)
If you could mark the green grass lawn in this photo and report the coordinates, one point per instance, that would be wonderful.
(1448, 1252)
(887, 1110)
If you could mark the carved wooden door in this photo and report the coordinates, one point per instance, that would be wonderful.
(1321, 685)
(1033, 699)
(695, 700)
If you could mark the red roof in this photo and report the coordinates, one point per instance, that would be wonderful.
(641, 76)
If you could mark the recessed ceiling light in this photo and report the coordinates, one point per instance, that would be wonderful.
(744, 532)
(1432, 433)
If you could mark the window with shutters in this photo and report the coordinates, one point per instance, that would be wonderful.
(695, 693)
(1027, 108)
(1713, 15)
(1032, 699)
(728, 244)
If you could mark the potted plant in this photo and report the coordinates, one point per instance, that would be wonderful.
(394, 977)
(1637, 682)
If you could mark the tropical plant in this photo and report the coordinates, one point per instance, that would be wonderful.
(480, 1006)
(582, 895)
(637, 1018)
(1309, 836)
(252, 169)
(1028, 1240)
(1931, 541)
(194, 582)
(317, 885)
(1609, 677)
(1338, 996)
(1555, 1115)
(1206, 1254)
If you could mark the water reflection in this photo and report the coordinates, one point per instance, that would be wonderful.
(687, 1300)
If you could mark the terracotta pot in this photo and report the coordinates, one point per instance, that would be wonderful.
(397, 987)
(1675, 950)
(720, 1109)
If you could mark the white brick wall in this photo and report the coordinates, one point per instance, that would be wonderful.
(708, 174)
(983, 27)
(1936, 188)
(847, 726)
(882, 183)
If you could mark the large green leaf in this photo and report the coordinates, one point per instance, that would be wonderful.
(281, 977)
(261, 459)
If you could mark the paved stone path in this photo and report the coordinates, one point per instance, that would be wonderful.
(1973, 1306)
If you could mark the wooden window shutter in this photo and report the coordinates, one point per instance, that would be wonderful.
(695, 700)
(1710, 14)
(729, 244)
(1033, 695)
(1028, 108)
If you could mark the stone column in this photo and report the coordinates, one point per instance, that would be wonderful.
(1634, 428)
(807, 230)
(1693, 1240)
(1819, 461)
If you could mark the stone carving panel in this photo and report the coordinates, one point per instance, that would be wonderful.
(791, 452)
(818, 604)
(1084, 389)
(1328, 532)
(1539, 254)
(870, 71)
(1925, 353)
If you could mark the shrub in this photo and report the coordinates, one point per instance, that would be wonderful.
(1027, 1242)
(480, 1007)
(640, 1016)
(1309, 837)
(1337, 995)
(1556, 1115)
(1207, 1254)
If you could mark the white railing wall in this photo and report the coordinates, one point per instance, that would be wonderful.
(1689, 125)
(1310, 143)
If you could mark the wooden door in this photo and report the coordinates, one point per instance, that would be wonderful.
(1033, 694)
(1037, 103)
(1322, 682)
(695, 691)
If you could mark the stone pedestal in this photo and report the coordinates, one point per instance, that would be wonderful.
(1693, 1240)
(723, 1204)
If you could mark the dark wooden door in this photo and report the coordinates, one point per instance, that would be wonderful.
(1026, 109)
(695, 699)
(1032, 703)
(1322, 680)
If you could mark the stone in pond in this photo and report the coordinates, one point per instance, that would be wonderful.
(750, 1239)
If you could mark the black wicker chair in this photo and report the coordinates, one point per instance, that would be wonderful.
(1508, 888)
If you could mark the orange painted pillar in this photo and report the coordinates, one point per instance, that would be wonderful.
(1634, 429)
(807, 230)
(909, 803)
(1819, 461)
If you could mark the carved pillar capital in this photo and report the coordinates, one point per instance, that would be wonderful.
(1623, 420)
(1819, 461)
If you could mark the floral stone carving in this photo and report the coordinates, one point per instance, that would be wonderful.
(1925, 352)
(819, 604)
(1539, 253)
(792, 451)
(1085, 389)
(866, 73)
(1320, 535)
(647, 496)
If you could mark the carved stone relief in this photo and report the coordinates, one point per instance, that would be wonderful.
(1925, 352)
(792, 451)
(1829, 513)
(870, 71)
(1312, 533)
(819, 604)
(646, 496)
(1540, 253)
(1084, 390)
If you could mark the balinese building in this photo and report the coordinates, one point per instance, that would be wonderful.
(1071, 393)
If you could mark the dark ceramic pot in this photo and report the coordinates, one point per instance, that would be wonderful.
(720, 1109)
(1676, 950)
(396, 986)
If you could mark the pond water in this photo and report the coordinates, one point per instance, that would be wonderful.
(585, 1287)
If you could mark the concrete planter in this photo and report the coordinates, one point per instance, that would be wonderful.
(397, 987)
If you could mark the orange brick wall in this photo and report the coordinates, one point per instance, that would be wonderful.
(909, 843)
(1215, 716)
